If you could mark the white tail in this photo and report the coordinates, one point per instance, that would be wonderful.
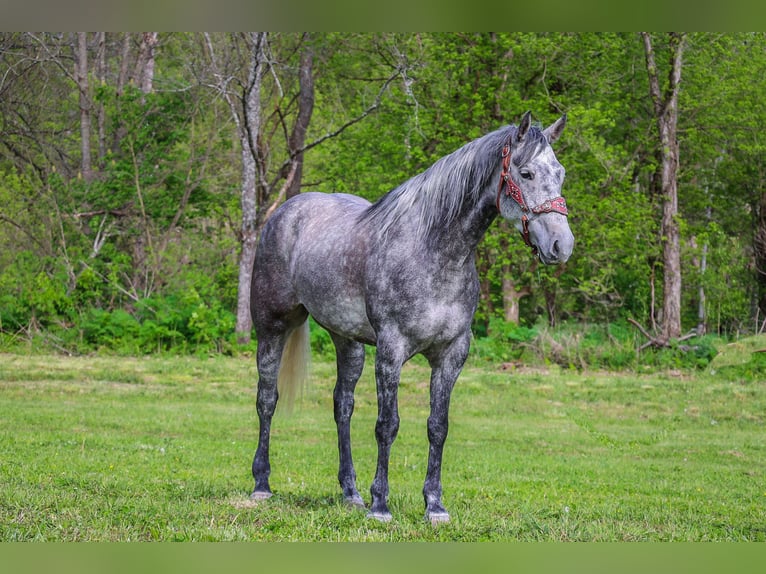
(294, 366)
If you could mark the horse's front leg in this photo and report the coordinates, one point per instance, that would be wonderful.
(350, 361)
(446, 366)
(388, 366)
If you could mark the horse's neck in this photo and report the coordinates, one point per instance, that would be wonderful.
(475, 223)
(458, 240)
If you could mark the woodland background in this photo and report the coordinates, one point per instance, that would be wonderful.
(136, 170)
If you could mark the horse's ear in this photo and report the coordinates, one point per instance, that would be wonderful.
(553, 131)
(526, 121)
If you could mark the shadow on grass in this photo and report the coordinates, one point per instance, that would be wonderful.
(298, 501)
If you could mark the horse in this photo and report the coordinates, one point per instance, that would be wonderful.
(399, 274)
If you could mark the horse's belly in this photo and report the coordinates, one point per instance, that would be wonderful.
(331, 293)
(344, 314)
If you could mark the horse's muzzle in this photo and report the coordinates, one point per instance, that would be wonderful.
(552, 238)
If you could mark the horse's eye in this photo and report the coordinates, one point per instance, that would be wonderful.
(526, 174)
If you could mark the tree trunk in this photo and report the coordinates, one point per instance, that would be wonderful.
(701, 310)
(100, 111)
(249, 132)
(122, 78)
(81, 77)
(671, 234)
(759, 252)
(145, 62)
(666, 114)
(305, 109)
(512, 296)
(248, 243)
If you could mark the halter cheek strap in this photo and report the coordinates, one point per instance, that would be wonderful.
(512, 190)
(557, 204)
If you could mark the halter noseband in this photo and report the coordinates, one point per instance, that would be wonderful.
(557, 204)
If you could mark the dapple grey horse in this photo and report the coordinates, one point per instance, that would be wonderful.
(399, 274)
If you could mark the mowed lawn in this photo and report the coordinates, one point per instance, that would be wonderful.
(159, 448)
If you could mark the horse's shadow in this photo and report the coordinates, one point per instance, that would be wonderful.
(301, 501)
(308, 502)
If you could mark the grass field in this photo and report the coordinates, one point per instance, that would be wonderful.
(159, 448)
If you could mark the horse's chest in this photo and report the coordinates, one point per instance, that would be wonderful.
(426, 303)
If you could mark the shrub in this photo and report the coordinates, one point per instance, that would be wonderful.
(613, 346)
(505, 341)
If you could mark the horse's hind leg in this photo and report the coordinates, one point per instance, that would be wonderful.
(271, 348)
(269, 355)
(350, 361)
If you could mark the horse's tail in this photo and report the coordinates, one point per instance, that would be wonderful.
(294, 366)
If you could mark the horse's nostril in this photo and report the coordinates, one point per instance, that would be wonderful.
(555, 248)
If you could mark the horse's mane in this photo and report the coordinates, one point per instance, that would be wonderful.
(435, 197)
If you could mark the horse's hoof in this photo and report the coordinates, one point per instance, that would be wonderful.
(380, 516)
(436, 518)
(260, 495)
(354, 501)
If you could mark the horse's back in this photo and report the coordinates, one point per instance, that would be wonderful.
(305, 219)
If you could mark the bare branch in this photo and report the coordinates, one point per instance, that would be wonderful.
(222, 85)
(677, 42)
(371, 108)
(282, 191)
(25, 231)
(652, 340)
(119, 287)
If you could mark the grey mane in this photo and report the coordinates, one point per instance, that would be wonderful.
(435, 197)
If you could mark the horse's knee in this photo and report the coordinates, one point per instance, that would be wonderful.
(386, 428)
(437, 430)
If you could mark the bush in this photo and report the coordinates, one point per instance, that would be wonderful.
(99, 328)
(613, 346)
(505, 341)
(743, 360)
(176, 323)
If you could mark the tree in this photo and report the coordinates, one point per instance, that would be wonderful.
(666, 114)
(246, 112)
(125, 198)
(81, 77)
(724, 140)
(123, 167)
(257, 197)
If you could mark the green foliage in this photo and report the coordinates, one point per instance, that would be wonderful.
(724, 280)
(743, 360)
(104, 329)
(577, 346)
(162, 210)
(172, 323)
(754, 368)
(191, 320)
(320, 341)
(505, 341)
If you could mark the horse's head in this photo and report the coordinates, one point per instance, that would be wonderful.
(529, 193)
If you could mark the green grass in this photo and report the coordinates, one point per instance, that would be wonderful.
(121, 449)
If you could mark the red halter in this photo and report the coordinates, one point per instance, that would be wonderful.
(557, 204)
